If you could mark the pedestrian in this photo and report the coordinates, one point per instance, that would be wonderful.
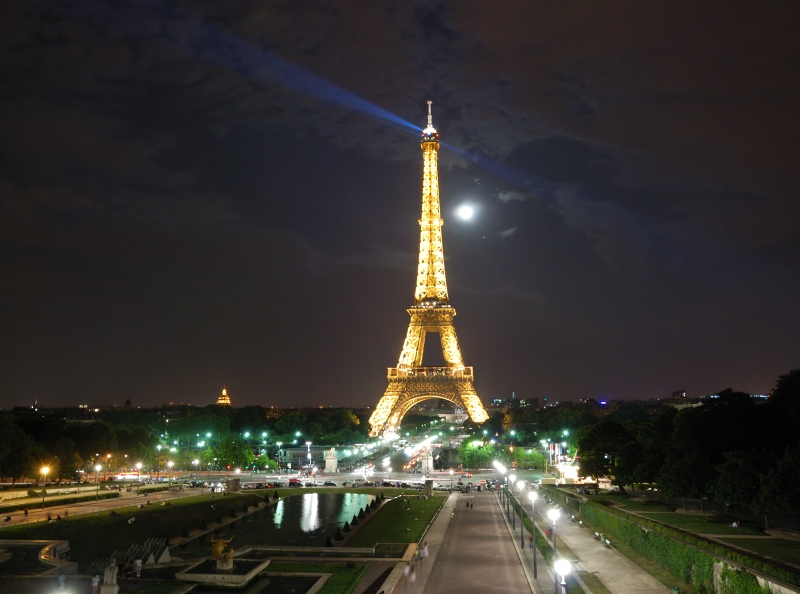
(62, 581)
(425, 549)
(412, 576)
(467, 504)
(406, 570)
(96, 584)
(26, 513)
(137, 567)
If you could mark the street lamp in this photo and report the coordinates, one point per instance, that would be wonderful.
(196, 462)
(521, 487)
(170, 464)
(45, 470)
(97, 481)
(562, 567)
(554, 514)
(451, 479)
(308, 455)
(532, 496)
(280, 456)
(510, 483)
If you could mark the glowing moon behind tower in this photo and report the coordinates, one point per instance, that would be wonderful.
(465, 212)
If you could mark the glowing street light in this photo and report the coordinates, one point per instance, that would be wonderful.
(451, 479)
(554, 514)
(509, 485)
(170, 464)
(532, 496)
(97, 481)
(562, 567)
(45, 470)
(521, 487)
(196, 463)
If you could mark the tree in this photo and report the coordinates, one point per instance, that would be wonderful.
(780, 486)
(739, 477)
(686, 474)
(17, 450)
(608, 450)
(234, 452)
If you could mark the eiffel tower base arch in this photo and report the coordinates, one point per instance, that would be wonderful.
(407, 388)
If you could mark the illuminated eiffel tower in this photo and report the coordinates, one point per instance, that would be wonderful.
(410, 383)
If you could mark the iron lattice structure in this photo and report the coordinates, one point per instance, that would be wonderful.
(410, 383)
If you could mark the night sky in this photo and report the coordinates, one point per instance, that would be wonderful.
(196, 194)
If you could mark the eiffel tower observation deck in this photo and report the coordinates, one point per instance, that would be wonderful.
(410, 382)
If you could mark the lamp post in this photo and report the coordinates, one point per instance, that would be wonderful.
(553, 514)
(45, 470)
(196, 462)
(308, 457)
(97, 481)
(280, 456)
(562, 567)
(509, 487)
(532, 496)
(521, 486)
(170, 465)
(451, 479)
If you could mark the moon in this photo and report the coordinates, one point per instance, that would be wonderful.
(465, 212)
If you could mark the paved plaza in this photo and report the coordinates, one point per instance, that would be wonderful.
(475, 548)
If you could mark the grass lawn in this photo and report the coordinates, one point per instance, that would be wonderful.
(343, 581)
(639, 506)
(700, 525)
(392, 523)
(593, 583)
(781, 549)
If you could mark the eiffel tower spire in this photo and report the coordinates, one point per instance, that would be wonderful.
(410, 383)
(431, 281)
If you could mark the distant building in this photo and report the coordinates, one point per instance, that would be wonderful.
(224, 399)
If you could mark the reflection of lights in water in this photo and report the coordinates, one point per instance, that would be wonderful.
(278, 514)
(309, 515)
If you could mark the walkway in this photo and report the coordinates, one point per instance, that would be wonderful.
(476, 546)
(469, 550)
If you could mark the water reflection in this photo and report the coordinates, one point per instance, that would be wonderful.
(299, 520)
(309, 519)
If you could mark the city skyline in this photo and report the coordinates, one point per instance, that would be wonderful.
(195, 196)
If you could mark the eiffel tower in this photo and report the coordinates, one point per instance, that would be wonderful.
(410, 383)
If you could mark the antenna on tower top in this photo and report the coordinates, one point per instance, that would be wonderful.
(430, 117)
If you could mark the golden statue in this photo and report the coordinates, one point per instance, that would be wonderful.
(218, 546)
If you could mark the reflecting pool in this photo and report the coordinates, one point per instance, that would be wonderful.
(299, 520)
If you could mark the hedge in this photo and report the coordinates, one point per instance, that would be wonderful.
(667, 546)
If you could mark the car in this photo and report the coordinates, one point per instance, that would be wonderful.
(466, 475)
(328, 484)
(387, 484)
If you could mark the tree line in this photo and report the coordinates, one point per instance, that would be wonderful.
(211, 437)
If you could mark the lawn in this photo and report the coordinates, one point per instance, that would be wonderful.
(787, 551)
(343, 581)
(699, 524)
(392, 523)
